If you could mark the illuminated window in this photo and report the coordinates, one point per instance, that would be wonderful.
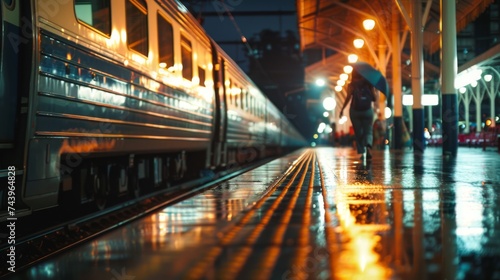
(242, 98)
(95, 13)
(187, 58)
(201, 75)
(137, 25)
(165, 43)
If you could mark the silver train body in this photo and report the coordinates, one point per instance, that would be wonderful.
(101, 98)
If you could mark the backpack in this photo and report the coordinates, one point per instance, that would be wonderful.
(362, 97)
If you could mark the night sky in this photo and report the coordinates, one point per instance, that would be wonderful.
(223, 30)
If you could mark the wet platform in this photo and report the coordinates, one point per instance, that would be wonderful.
(318, 213)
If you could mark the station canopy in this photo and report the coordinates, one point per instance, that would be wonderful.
(330, 26)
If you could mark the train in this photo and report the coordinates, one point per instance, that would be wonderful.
(106, 98)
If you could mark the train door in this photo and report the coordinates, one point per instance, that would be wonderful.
(9, 20)
(219, 147)
(15, 63)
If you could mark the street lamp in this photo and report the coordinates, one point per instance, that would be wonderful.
(348, 69)
(368, 24)
(358, 43)
(329, 103)
(352, 58)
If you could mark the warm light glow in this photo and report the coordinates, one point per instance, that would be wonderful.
(427, 100)
(488, 77)
(343, 120)
(352, 58)
(348, 69)
(338, 88)
(340, 82)
(163, 65)
(358, 43)
(388, 112)
(209, 83)
(407, 100)
(138, 58)
(467, 77)
(321, 128)
(315, 136)
(320, 82)
(195, 80)
(329, 103)
(344, 77)
(235, 91)
(368, 24)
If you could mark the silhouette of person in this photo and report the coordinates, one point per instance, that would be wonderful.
(361, 114)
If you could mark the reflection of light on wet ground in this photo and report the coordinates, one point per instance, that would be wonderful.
(469, 210)
(361, 221)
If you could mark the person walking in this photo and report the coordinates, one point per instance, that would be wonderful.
(364, 101)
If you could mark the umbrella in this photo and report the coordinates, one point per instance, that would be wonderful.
(372, 75)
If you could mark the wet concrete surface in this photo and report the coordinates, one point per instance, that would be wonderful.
(318, 213)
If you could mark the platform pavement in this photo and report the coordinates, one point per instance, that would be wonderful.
(318, 213)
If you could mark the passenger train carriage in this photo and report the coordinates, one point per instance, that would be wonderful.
(101, 98)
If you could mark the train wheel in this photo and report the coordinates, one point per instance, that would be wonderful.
(100, 191)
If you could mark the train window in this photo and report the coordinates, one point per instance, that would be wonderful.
(242, 104)
(165, 43)
(236, 95)
(96, 13)
(187, 58)
(247, 101)
(137, 25)
(201, 75)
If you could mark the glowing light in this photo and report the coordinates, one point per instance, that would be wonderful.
(163, 65)
(368, 24)
(138, 58)
(123, 36)
(321, 128)
(195, 80)
(235, 91)
(462, 90)
(209, 83)
(387, 112)
(427, 100)
(488, 77)
(467, 77)
(344, 77)
(326, 114)
(338, 88)
(315, 136)
(358, 43)
(329, 103)
(352, 58)
(320, 82)
(341, 83)
(343, 120)
(348, 69)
